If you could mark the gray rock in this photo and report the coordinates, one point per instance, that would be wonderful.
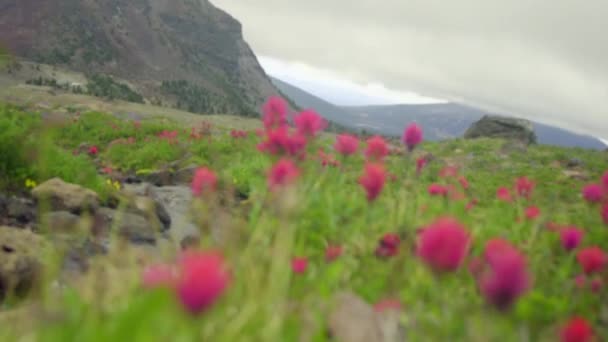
(66, 196)
(77, 258)
(61, 221)
(491, 126)
(177, 201)
(354, 320)
(134, 228)
(21, 211)
(19, 261)
(574, 162)
(184, 176)
(152, 210)
(158, 178)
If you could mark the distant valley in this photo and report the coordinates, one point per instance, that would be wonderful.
(439, 121)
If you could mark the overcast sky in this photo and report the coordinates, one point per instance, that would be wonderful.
(546, 60)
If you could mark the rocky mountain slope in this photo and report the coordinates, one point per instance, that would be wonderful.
(185, 53)
(440, 121)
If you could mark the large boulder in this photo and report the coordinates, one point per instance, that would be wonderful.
(491, 126)
(19, 261)
(65, 196)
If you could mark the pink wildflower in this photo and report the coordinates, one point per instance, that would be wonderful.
(333, 252)
(420, 164)
(448, 172)
(532, 212)
(309, 123)
(412, 136)
(591, 259)
(346, 144)
(503, 194)
(376, 148)
(373, 180)
(299, 265)
(437, 190)
(93, 150)
(202, 279)
(571, 237)
(577, 329)
(388, 245)
(524, 187)
(279, 141)
(464, 183)
(284, 172)
(506, 278)
(443, 245)
(274, 113)
(593, 193)
(472, 203)
(204, 181)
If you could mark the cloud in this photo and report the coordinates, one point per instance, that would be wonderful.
(546, 60)
(329, 86)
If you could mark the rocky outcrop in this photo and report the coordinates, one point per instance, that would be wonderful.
(66, 196)
(502, 127)
(181, 52)
(134, 228)
(20, 266)
(17, 211)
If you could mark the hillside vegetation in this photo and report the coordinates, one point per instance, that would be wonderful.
(319, 235)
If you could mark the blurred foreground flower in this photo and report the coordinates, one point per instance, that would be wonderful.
(373, 180)
(204, 181)
(283, 173)
(593, 193)
(299, 265)
(202, 278)
(591, 259)
(577, 329)
(443, 245)
(571, 237)
(505, 277)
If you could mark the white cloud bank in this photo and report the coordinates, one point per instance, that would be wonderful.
(546, 60)
(331, 87)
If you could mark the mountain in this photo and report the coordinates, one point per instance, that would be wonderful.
(186, 53)
(439, 121)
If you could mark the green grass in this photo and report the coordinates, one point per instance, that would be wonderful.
(265, 300)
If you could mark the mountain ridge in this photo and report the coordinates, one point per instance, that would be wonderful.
(185, 53)
(439, 120)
